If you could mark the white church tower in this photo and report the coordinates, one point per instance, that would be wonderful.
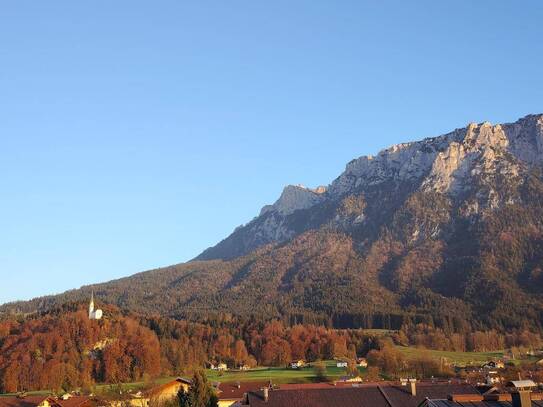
(94, 314)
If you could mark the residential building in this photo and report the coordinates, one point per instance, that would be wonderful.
(353, 394)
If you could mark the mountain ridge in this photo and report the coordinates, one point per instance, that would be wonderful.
(406, 162)
(446, 231)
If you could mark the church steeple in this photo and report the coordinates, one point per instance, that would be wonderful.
(94, 314)
(91, 306)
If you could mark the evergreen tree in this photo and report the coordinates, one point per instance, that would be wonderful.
(199, 394)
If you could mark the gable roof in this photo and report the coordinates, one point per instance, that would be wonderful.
(359, 395)
(450, 403)
(323, 397)
(74, 401)
(157, 390)
(231, 391)
(401, 396)
(28, 401)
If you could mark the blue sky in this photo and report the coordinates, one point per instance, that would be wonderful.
(135, 134)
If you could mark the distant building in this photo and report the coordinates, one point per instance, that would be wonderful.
(219, 366)
(493, 364)
(297, 364)
(94, 313)
(362, 362)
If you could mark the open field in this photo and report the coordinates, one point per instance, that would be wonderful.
(457, 358)
(278, 374)
(307, 375)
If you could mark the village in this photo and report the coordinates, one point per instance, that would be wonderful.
(463, 377)
(402, 393)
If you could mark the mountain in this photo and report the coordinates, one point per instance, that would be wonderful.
(447, 230)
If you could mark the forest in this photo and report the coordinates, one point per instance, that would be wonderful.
(62, 349)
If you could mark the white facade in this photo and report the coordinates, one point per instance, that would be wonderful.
(94, 313)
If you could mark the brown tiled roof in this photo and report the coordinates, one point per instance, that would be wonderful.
(29, 401)
(351, 395)
(400, 395)
(231, 391)
(450, 403)
(75, 401)
(157, 390)
(323, 397)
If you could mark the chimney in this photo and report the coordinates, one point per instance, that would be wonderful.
(266, 394)
(521, 398)
(413, 386)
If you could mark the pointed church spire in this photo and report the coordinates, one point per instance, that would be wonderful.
(94, 314)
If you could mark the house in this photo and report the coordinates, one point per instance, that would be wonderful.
(297, 364)
(154, 396)
(362, 362)
(29, 401)
(514, 399)
(493, 364)
(219, 366)
(492, 377)
(75, 401)
(350, 379)
(353, 394)
(232, 393)
(167, 391)
(46, 401)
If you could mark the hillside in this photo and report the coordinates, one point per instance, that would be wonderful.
(447, 231)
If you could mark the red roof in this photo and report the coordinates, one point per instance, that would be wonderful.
(354, 395)
(231, 391)
(29, 401)
(75, 401)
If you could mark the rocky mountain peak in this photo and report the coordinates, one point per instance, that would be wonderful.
(479, 167)
(295, 197)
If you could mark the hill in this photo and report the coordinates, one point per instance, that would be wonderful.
(447, 231)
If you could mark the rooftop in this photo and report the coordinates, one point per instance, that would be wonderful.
(359, 395)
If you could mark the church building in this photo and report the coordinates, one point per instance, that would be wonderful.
(94, 313)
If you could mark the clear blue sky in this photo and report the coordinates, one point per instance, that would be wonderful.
(134, 134)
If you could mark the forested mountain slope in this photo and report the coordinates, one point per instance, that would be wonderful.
(447, 230)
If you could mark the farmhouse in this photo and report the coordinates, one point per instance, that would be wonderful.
(297, 364)
(493, 364)
(231, 393)
(362, 362)
(219, 366)
(167, 391)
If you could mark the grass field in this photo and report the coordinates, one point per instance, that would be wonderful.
(278, 374)
(307, 375)
(457, 358)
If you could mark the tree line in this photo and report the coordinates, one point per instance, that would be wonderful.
(64, 350)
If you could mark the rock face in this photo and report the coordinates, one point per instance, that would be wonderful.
(295, 197)
(472, 166)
